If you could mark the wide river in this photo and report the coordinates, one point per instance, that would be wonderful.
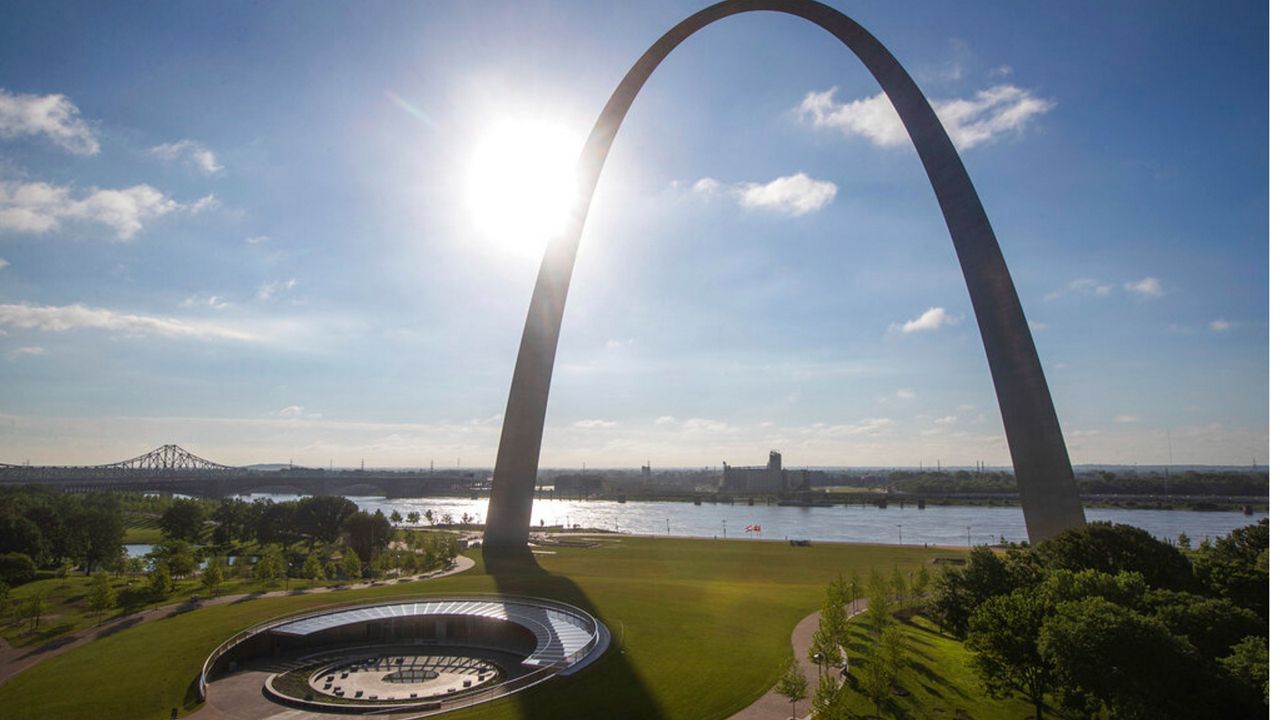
(935, 525)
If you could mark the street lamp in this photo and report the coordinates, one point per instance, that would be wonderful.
(668, 526)
(968, 534)
(899, 533)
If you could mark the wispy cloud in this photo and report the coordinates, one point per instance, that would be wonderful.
(990, 114)
(257, 239)
(272, 289)
(191, 152)
(215, 302)
(665, 420)
(53, 116)
(595, 424)
(932, 319)
(904, 394)
(1125, 419)
(61, 318)
(27, 351)
(1221, 325)
(3, 263)
(1147, 287)
(793, 195)
(38, 207)
(1082, 286)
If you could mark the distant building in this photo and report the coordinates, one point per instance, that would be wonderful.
(582, 484)
(768, 479)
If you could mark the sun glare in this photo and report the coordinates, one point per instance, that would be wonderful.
(521, 182)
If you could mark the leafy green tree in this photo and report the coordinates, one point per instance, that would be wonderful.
(957, 593)
(160, 580)
(920, 584)
(178, 555)
(828, 702)
(855, 586)
(242, 566)
(212, 576)
(6, 602)
(312, 569)
(413, 517)
(319, 518)
(1248, 664)
(351, 566)
(1213, 625)
(1113, 549)
(271, 567)
(1234, 567)
(20, 535)
(16, 568)
(1148, 671)
(34, 608)
(878, 603)
(101, 525)
(898, 585)
(396, 517)
(367, 534)
(1003, 634)
(824, 648)
(792, 685)
(184, 520)
(101, 596)
(877, 680)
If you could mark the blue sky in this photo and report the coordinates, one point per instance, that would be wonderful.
(256, 230)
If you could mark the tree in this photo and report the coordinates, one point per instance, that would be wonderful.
(6, 602)
(958, 592)
(898, 584)
(242, 567)
(920, 584)
(878, 603)
(413, 517)
(877, 681)
(1149, 672)
(178, 555)
(1234, 567)
(1114, 549)
(320, 517)
(828, 702)
(396, 517)
(160, 580)
(101, 523)
(34, 608)
(430, 518)
(824, 649)
(16, 568)
(367, 534)
(270, 568)
(211, 577)
(1248, 665)
(792, 685)
(101, 596)
(351, 567)
(312, 569)
(1003, 634)
(183, 520)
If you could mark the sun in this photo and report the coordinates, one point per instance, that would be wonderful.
(520, 183)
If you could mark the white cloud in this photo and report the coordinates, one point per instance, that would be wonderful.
(257, 239)
(1124, 419)
(290, 411)
(27, 351)
(616, 344)
(271, 289)
(992, 113)
(1082, 286)
(3, 263)
(1218, 325)
(595, 424)
(904, 394)
(704, 425)
(52, 318)
(1037, 325)
(1146, 287)
(191, 152)
(38, 207)
(931, 319)
(948, 420)
(53, 116)
(216, 302)
(793, 195)
(665, 420)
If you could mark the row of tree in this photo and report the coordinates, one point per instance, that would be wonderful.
(52, 528)
(1106, 619)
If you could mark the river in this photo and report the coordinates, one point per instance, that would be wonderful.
(935, 525)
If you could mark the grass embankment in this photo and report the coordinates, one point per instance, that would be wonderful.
(938, 679)
(703, 626)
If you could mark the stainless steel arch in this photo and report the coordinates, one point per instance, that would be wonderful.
(1050, 498)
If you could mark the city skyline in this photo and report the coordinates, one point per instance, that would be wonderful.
(285, 247)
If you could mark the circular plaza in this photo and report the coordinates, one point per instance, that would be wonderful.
(416, 656)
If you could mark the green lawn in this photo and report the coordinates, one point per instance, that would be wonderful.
(938, 678)
(700, 628)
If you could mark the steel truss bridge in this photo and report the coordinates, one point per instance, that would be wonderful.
(170, 468)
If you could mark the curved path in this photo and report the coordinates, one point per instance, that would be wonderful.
(14, 660)
(771, 705)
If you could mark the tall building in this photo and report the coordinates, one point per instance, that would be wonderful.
(768, 479)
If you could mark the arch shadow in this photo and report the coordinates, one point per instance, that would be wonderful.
(1046, 483)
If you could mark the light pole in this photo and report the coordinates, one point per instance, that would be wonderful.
(968, 534)
(724, 529)
(668, 527)
(899, 533)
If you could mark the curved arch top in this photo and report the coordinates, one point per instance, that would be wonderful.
(1046, 483)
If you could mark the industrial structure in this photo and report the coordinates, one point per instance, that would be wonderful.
(770, 479)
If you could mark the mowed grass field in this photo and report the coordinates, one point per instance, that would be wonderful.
(700, 628)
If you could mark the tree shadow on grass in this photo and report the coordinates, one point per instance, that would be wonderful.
(610, 687)
(928, 676)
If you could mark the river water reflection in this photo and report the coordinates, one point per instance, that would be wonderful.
(935, 525)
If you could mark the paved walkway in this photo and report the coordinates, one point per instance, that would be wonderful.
(771, 705)
(14, 660)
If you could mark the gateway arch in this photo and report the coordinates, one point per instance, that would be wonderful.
(1046, 483)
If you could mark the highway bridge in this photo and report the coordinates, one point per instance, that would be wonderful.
(170, 468)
